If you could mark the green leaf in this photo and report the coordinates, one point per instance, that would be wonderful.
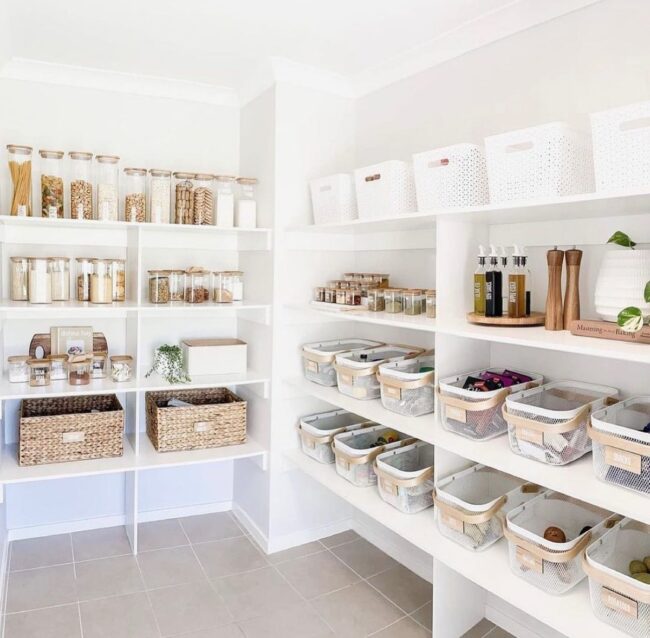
(646, 292)
(630, 319)
(621, 239)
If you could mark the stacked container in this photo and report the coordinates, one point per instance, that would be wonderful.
(333, 199)
(407, 386)
(385, 190)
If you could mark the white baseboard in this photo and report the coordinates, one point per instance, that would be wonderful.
(251, 527)
(515, 621)
(182, 512)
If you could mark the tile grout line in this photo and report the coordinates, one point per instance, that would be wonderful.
(415, 620)
(146, 593)
(74, 571)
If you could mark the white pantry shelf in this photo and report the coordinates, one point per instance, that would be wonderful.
(155, 382)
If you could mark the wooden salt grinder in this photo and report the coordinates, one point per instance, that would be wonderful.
(572, 292)
(554, 319)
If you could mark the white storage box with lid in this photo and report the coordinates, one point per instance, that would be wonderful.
(214, 356)
(317, 432)
(477, 415)
(555, 567)
(407, 386)
(356, 372)
(621, 140)
(621, 449)
(333, 198)
(405, 477)
(616, 598)
(318, 358)
(471, 505)
(451, 176)
(385, 190)
(356, 452)
(550, 423)
(541, 162)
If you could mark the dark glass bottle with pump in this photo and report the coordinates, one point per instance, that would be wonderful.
(493, 287)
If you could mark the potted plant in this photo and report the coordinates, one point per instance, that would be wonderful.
(168, 363)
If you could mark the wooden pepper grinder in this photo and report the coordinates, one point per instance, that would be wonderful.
(554, 319)
(572, 292)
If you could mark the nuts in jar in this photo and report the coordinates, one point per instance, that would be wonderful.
(81, 188)
(135, 201)
(51, 184)
(196, 285)
(158, 286)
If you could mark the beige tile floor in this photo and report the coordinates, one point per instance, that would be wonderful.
(202, 577)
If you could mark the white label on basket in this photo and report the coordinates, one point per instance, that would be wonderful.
(342, 463)
(74, 437)
(389, 487)
(202, 426)
(528, 561)
(623, 460)
(532, 436)
(392, 392)
(452, 523)
(345, 378)
(312, 366)
(456, 414)
(617, 602)
(309, 443)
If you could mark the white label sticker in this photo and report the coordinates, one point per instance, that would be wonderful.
(617, 602)
(456, 414)
(623, 460)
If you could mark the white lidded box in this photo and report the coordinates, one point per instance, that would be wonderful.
(555, 567)
(214, 356)
(621, 141)
(541, 162)
(333, 198)
(450, 177)
(407, 386)
(617, 598)
(550, 423)
(621, 449)
(471, 505)
(385, 190)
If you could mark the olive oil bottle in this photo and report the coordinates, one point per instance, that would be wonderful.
(493, 286)
(517, 287)
(479, 283)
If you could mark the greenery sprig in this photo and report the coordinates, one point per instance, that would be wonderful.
(168, 363)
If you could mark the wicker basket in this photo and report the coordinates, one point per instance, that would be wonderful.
(217, 417)
(77, 428)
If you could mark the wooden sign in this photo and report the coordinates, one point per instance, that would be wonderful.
(41, 344)
(608, 330)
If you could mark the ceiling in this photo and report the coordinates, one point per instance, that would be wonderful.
(224, 44)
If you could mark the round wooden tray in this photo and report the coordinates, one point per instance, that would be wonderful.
(535, 319)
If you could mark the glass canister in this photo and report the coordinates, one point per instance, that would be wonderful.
(247, 204)
(376, 301)
(18, 368)
(341, 296)
(319, 294)
(118, 274)
(121, 368)
(203, 200)
(99, 367)
(353, 296)
(183, 198)
(60, 277)
(79, 369)
(225, 201)
(39, 372)
(20, 169)
(381, 280)
(413, 301)
(196, 285)
(431, 304)
(101, 281)
(84, 271)
(58, 367)
(19, 278)
(158, 286)
(51, 184)
(330, 295)
(176, 285)
(135, 198)
(393, 300)
(228, 286)
(81, 186)
(160, 193)
(108, 187)
(40, 280)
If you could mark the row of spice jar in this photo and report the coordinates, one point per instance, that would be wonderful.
(195, 285)
(77, 369)
(197, 197)
(46, 279)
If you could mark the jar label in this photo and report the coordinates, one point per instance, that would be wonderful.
(532, 436)
(456, 414)
(623, 460)
(527, 561)
(617, 602)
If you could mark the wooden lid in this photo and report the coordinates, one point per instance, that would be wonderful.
(58, 357)
(17, 148)
(159, 172)
(51, 154)
(135, 171)
(247, 181)
(182, 175)
(198, 343)
(80, 155)
(107, 159)
(39, 362)
(121, 357)
(18, 358)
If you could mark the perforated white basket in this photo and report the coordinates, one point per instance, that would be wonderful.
(477, 415)
(405, 477)
(471, 505)
(333, 198)
(545, 161)
(554, 567)
(550, 423)
(451, 176)
(385, 190)
(621, 139)
(404, 389)
(616, 598)
(621, 448)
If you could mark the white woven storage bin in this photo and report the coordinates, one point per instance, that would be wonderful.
(317, 432)
(405, 387)
(477, 415)
(318, 358)
(554, 567)
(385, 190)
(451, 176)
(471, 505)
(356, 372)
(545, 161)
(621, 139)
(621, 450)
(356, 452)
(550, 423)
(405, 477)
(616, 598)
(333, 198)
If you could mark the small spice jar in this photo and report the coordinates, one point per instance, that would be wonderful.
(247, 205)
(99, 367)
(108, 177)
(319, 294)
(135, 199)
(376, 300)
(349, 276)
(39, 372)
(79, 369)
(121, 368)
(19, 278)
(118, 274)
(18, 368)
(183, 198)
(84, 271)
(330, 295)
(58, 367)
(101, 281)
(160, 189)
(431, 304)
(176, 285)
(413, 302)
(393, 300)
(381, 279)
(353, 296)
(60, 277)
(51, 184)
(196, 285)
(341, 296)
(81, 187)
(20, 169)
(203, 200)
(40, 280)
(158, 286)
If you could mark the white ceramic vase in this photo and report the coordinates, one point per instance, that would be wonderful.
(621, 280)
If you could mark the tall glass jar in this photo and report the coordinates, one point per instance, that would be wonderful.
(99, 369)
(20, 169)
(160, 192)
(394, 300)
(101, 281)
(225, 201)
(158, 286)
(81, 186)
(135, 198)
(58, 367)
(51, 184)
(247, 204)
(176, 285)
(118, 274)
(84, 272)
(431, 304)
(196, 285)
(60, 276)
(183, 198)
(40, 280)
(203, 200)
(19, 278)
(108, 187)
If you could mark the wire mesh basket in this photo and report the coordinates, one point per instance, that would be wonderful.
(407, 386)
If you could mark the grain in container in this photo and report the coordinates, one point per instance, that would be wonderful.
(51, 184)
(108, 187)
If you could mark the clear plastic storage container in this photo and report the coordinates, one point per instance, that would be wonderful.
(203, 209)
(19, 278)
(81, 185)
(108, 187)
(51, 184)
(20, 171)
(407, 386)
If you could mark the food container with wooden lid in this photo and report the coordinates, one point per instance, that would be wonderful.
(19, 278)
(160, 188)
(121, 368)
(118, 274)
(81, 185)
(107, 187)
(394, 300)
(20, 170)
(99, 369)
(18, 368)
(51, 184)
(79, 369)
(197, 285)
(159, 286)
(135, 204)
(413, 301)
(203, 209)
(176, 284)
(183, 198)
(84, 273)
(59, 367)
(101, 281)
(39, 372)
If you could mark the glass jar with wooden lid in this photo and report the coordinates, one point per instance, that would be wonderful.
(135, 203)
(413, 301)
(196, 285)
(18, 368)
(81, 186)
(121, 368)
(51, 184)
(58, 367)
(183, 198)
(203, 209)
(160, 189)
(101, 281)
(20, 170)
(393, 300)
(108, 187)
(431, 303)
(84, 271)
(39, 372)
(79, 367)
(60, 277)
(376, 301)
(99, 367)
(176, 284)
(159, 286)
(19, 278)
(118, 275)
